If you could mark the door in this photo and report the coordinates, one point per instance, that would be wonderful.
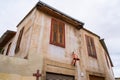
(92, 77)
(54, 76)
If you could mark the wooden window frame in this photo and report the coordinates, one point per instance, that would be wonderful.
(90, 46)
(19, 40)
(60, 25)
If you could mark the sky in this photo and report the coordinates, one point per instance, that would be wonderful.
(100, 16)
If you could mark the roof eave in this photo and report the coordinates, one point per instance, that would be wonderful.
(105, 48)
(58, 14)
(44, 7)
(8, 35)
(91, 32)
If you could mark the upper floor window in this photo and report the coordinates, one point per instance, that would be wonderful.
(57, 35)
(90, 46)
(19, 40)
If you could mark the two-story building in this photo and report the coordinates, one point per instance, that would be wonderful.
(55, 45)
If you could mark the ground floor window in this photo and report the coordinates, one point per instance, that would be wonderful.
(93, 77)
(54, 76)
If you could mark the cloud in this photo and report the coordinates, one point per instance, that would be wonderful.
(17, 9)
(116, 57)
(116, 71)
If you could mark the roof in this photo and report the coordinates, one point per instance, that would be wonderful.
(105, 48)
(55, 13)
(91, 32)
(6, 37)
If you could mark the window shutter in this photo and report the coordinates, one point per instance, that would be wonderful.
(93, 47)
(61, 33)
(55, 31)
(88, 45)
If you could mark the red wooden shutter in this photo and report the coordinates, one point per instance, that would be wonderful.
(93, 47)
(88, 45)
(19, 40)
(62, 34)
(54, 32)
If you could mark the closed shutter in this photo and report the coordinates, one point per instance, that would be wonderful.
(93, 47)
(57, 35)
(88, 45)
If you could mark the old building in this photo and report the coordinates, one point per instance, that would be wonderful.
(55, 46)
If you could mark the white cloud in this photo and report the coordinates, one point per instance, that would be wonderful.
(116, 71)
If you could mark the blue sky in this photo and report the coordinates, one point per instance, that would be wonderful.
(100, 16)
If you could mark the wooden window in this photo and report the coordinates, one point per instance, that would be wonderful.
(57, 36)
(8, 49)
(90, 46)
(19, 40)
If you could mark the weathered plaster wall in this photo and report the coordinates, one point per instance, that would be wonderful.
(4, 76)
(11, 51)
(16, 67)
(97, 66)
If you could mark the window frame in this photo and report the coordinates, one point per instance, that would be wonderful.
(57, 43)
(91, 49)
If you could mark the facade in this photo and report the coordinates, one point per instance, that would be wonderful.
(55, 45)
